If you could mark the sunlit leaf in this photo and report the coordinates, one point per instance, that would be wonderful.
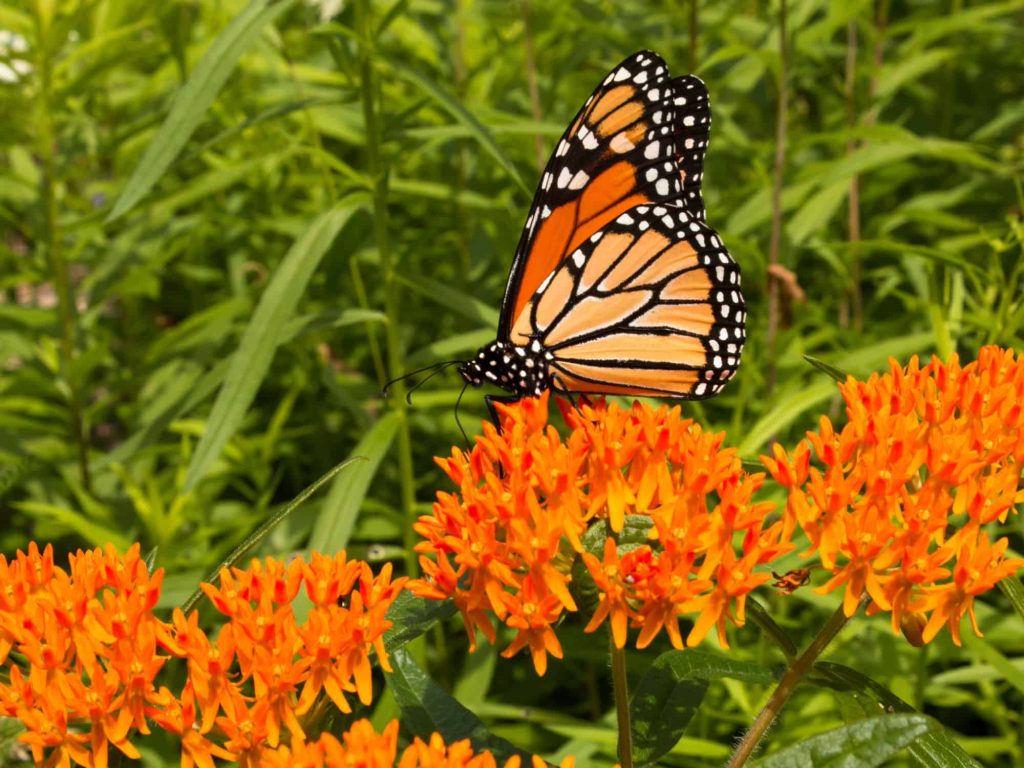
(194, 99)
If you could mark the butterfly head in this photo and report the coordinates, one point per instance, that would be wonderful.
(519, 369)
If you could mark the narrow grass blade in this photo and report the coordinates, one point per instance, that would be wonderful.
(788, 408)
(264, 530)
(832, 371)
(1014, 591)
(194, 98)
(338, 515)
(477, 129)
(95, 533)
(262, 335)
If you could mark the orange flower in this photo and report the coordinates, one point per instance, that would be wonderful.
(928, 456)
(362, 746)
(91, 646)
(503, 546)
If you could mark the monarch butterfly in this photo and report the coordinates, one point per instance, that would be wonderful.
(618, 286)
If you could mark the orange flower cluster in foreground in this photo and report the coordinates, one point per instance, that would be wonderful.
(84, 650)
(929, 456)
(504, 544)
(362, 746)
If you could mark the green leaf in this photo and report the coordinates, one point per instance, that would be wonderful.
(910, 69)
(477, 129)
(426, 708)
(815, 214)
(634, 533)
(988, 653)
(1014, 591)
(194, 98)
(861, 745)
(937, 749)
(411, 616)
(832, 371)
(452, 300)
(760, 616)
(874, 357)
(253, 539)
(338, 515)
(262, 335)
(785, 411)
(668, 695)
(93, 532)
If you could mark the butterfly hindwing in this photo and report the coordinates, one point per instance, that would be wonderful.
(648, 305)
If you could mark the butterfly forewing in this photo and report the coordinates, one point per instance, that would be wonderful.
(690, 138)
(620, 151)
(648, 305)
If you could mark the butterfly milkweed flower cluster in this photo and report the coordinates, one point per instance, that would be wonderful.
(503, 546)
(362, 746)
(899, 503)
(84, 651)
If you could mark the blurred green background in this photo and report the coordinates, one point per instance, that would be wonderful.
(223, 226)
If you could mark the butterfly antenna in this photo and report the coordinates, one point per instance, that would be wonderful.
(457, 420)
(435, 367)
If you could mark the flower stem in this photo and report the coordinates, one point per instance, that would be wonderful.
(800, 667)
(621, 690)
(377, 172)
(52, 237)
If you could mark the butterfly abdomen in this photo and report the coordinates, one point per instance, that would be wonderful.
(521, 369)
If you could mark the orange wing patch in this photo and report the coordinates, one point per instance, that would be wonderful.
(594, 313)
(576, 377)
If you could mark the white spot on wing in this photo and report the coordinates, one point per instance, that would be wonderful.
(620, 143)
(579, 180)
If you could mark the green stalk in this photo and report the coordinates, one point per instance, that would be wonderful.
(694, 37)
(796, 672)
(378, 178)
(772, 326)
(620, 689)
(51, 237)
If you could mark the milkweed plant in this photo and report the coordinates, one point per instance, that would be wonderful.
(628, 524)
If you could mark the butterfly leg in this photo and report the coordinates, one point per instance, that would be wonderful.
(504, 400)
(559, 388)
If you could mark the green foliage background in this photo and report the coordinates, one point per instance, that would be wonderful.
(226, 225)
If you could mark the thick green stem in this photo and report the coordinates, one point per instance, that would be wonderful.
(796, 672)
(379, 180)
(621, 691)
(52, 237)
